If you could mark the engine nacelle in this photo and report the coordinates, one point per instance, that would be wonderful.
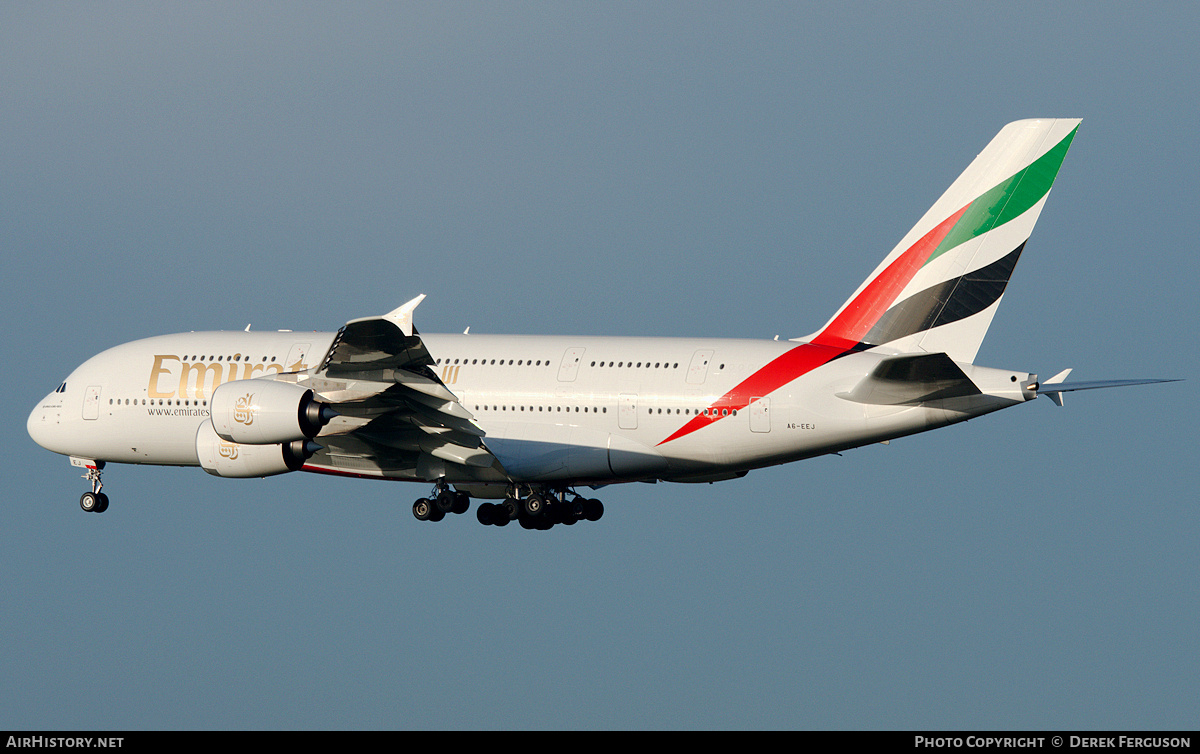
(266, 412)
(230, 459)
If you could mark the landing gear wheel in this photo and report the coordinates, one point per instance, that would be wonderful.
(512, 508)
(593, 509)
(485, 513)
(445, 501)
(567, 515)
(422, 509)
(462, 502)
(534, 504)
(576, 509)
(103, 505)
(89, 501)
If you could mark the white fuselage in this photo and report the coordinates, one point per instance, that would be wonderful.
(553, 409)
(534, 414)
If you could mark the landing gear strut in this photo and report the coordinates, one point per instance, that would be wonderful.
(94, 501)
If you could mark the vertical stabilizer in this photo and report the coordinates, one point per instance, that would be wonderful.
(939, 288)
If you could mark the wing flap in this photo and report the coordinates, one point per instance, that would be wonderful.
(396, 418)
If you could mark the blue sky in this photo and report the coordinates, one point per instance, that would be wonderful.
(686, 169)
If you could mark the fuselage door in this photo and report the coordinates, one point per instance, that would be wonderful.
(568, 370)
(698, 369)
(627, 411)
(760, 414)
(91, 402)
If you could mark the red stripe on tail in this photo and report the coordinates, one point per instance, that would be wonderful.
(842, 334)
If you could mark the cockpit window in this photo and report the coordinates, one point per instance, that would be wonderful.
(62, 388)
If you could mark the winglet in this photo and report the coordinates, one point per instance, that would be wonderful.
(402, 316)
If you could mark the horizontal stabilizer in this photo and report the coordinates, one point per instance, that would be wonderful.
(1054, 390)
(912, 379)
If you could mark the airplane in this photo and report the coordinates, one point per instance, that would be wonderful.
(530, 421)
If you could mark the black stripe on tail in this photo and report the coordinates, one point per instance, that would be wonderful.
(945, 302)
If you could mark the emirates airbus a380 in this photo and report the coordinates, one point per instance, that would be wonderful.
(532, 420)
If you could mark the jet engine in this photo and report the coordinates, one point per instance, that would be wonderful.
(222, 458)
(266, 412)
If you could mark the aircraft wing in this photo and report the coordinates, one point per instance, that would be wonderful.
(396, 418)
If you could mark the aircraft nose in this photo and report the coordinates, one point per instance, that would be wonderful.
(40, 423)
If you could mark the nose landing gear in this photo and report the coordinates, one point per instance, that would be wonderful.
(94, 501)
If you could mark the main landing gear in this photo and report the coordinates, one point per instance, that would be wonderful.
(94, 501)
(536, 509)
(443, 500)
(540, 510)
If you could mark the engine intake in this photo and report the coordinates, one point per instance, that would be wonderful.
(223, 458)
(266, 412)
